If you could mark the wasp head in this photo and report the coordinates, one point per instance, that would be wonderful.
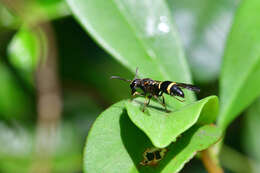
(135, 84)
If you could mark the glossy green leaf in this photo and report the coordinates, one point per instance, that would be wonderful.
(138, 34)
(13, 101)
(163, 128)
(115, 144)
(239, 81)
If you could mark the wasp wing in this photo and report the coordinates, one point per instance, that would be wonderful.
(189, 87)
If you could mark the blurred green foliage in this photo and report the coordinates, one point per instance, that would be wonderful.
(14, 103)
(24, 53)
(239, 85)
(122, 35)
(204, 26)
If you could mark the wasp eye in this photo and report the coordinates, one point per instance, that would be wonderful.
(133, 85)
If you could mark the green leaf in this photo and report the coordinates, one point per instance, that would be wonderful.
(115, 144)
(105, 151)
(251, 140)
(194, 140)
(138, 34)
(13, 101)
(163, 128)
(239, 81)
(24, 52)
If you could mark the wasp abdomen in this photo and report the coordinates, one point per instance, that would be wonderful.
(166, 86)
(171, 88)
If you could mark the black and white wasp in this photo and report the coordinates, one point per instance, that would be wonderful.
(154, 88)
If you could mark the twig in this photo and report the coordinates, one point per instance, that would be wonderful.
(210, 163)
(49, 99)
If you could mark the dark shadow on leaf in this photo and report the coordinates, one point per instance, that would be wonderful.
(136, 142)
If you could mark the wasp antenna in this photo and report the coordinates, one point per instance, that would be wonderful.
(120, 78)
(136, 73)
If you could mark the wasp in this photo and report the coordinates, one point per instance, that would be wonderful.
(155, 89)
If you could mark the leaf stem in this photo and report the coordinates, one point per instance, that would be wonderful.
(210, 163)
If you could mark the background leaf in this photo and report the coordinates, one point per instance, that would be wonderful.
(251, 139)
(115, 144)
(13, 101)
(163, 128)
(239, 80)
(24, 50)
(203, 26)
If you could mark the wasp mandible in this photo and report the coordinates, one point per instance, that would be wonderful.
(153, 88)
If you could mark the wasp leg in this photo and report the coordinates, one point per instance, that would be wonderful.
(147, 101)
(136, 94)
(161, 102)
(179, 99)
